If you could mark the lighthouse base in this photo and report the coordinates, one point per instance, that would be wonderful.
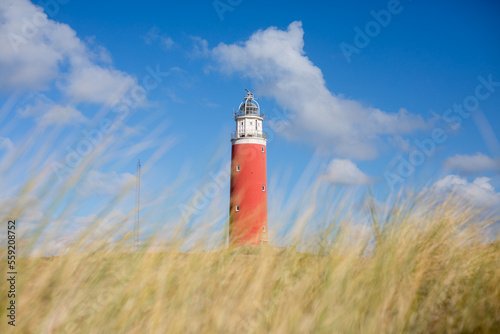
(248, 202)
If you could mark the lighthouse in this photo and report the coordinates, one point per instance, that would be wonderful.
(248, 194)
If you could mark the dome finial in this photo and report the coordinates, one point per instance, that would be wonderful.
(249, 95)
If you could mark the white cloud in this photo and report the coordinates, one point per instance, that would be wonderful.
(6, 144)
(484, 183)
(479, 191)
(276, 62)
(36, 51)
(477, 163)
(478, 197)
(98, 183)
(343, 171)
(62, 115)
(29, 58)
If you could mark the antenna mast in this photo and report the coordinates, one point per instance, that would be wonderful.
(137, 204)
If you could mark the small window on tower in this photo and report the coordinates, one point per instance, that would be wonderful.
(263, 188)
(237, 208)
(238, 168)
(263, 229)
(262, 148)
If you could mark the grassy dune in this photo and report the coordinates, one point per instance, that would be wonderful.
(427, 269)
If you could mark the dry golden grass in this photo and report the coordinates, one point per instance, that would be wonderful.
(427, 270)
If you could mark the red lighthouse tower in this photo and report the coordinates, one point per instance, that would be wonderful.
(248, 198)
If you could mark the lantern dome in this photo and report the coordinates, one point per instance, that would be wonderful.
(249, 106)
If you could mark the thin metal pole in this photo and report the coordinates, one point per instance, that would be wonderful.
(139, 203)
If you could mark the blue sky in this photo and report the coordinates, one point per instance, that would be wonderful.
(357, 95)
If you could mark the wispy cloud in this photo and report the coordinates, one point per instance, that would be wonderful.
(47, 112)
(37, 106)
(155, 36)
(62, 115)
(469, 164)
(345, 172)
(6, 144)
(200, 47)
(95, 84)
(99, 183)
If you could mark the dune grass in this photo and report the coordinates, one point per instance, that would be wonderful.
(426, 269)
